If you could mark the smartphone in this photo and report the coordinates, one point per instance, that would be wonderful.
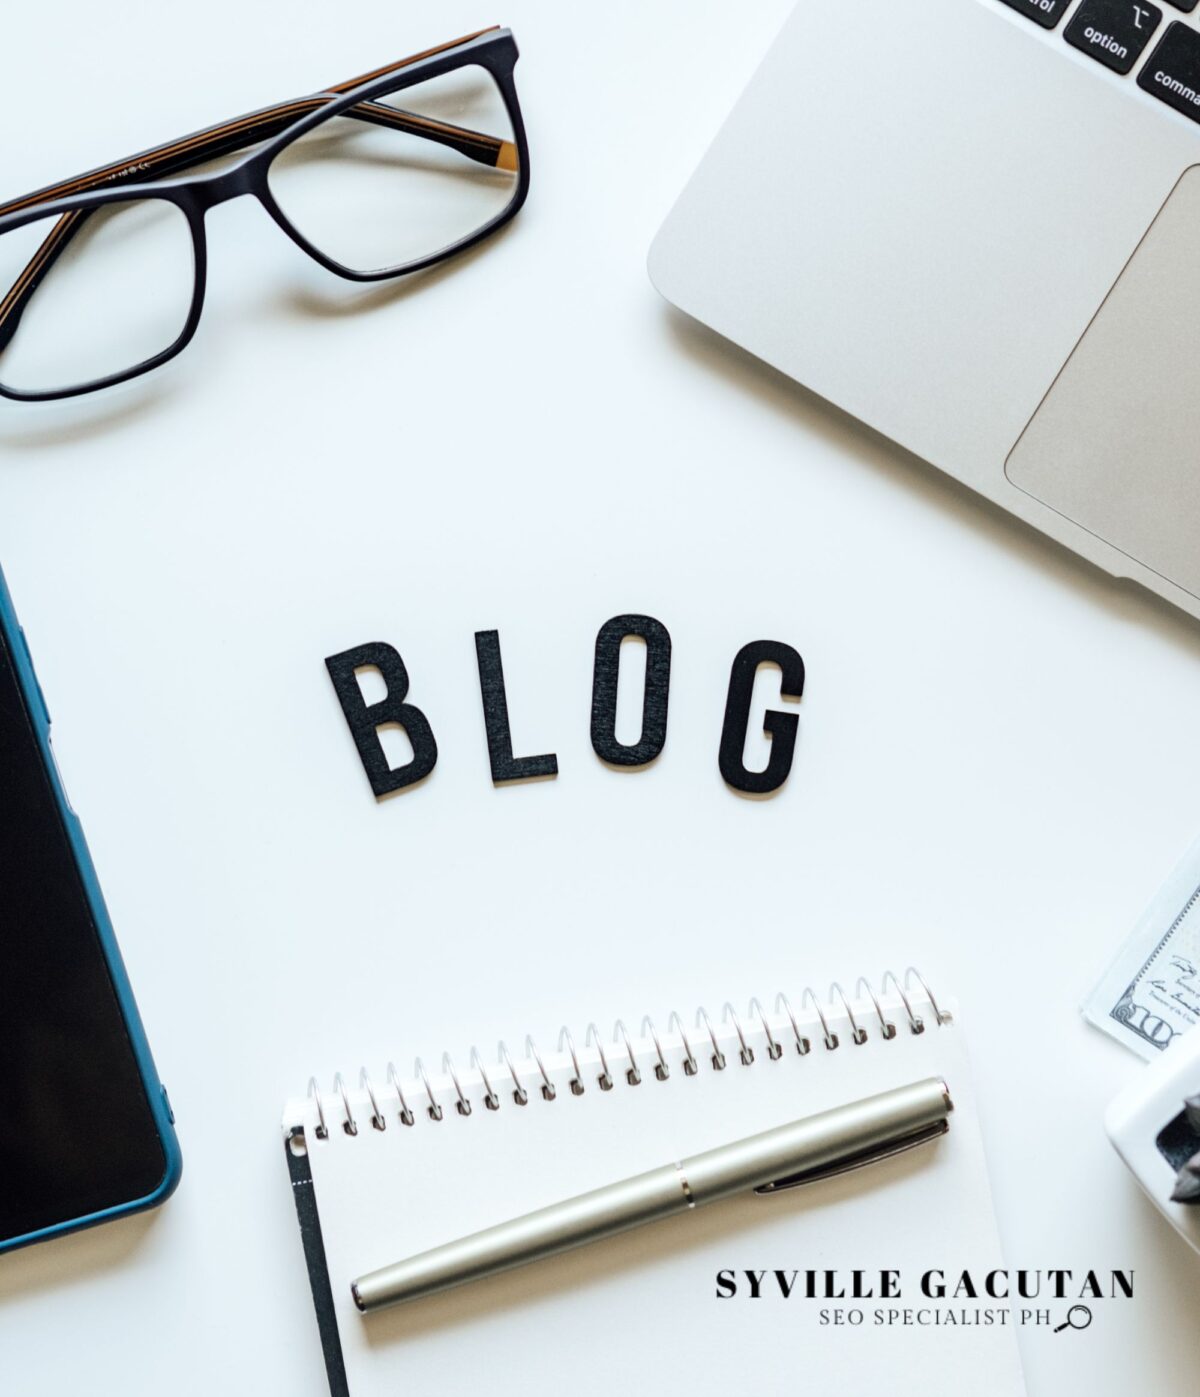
(86, 1130)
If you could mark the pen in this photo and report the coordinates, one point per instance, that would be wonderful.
(815, 1147)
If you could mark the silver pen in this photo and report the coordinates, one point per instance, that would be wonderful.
(808, 1149)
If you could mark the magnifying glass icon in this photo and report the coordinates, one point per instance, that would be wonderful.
(1078, 1317)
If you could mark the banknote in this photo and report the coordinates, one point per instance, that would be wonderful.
(1151, 992)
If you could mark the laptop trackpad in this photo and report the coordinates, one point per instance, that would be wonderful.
(1115, 444)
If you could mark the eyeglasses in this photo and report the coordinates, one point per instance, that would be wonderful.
(102, 277)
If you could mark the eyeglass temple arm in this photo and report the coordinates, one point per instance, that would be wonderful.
(18, 294)
(242, 131)
(225, 139)
(232, 136)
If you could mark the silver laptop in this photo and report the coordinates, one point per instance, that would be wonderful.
(975, 225)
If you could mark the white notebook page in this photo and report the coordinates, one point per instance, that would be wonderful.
(640, 1312)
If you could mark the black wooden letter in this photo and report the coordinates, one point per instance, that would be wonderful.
(365, 719)
(505, 767)
(654, 696)
(781, 727)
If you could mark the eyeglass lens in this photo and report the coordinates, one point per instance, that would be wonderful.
(403, 177)
(87, 294)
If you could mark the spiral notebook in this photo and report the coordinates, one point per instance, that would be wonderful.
(388, 1165)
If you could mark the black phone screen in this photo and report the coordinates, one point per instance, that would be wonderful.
(76, 1132)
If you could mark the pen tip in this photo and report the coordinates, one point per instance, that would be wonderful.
(358, 1300)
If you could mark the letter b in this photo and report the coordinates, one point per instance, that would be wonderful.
(365, 720)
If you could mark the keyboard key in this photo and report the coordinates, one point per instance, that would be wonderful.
(1187, 6)
(1172, 72)
(1047, 13)
(1113, 31)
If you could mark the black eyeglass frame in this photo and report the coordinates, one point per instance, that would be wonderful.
(494, 50)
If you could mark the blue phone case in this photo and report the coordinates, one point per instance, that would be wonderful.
(156, 1094)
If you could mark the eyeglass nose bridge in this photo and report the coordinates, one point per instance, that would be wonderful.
(208, 191)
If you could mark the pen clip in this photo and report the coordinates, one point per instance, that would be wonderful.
(857, 1160)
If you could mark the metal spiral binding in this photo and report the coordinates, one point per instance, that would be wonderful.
(626, 1066)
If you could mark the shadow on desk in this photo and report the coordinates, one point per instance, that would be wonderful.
(295, 297)
(774, 392)
(79, 1258)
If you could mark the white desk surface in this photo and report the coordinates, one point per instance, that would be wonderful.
(997, 763)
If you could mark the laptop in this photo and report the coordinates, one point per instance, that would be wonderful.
(975, 225)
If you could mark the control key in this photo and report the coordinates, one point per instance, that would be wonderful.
(1047, 13)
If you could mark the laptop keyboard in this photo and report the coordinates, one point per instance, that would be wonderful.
(1117, 33)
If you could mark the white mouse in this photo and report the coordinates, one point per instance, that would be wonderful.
(1152, 1132)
